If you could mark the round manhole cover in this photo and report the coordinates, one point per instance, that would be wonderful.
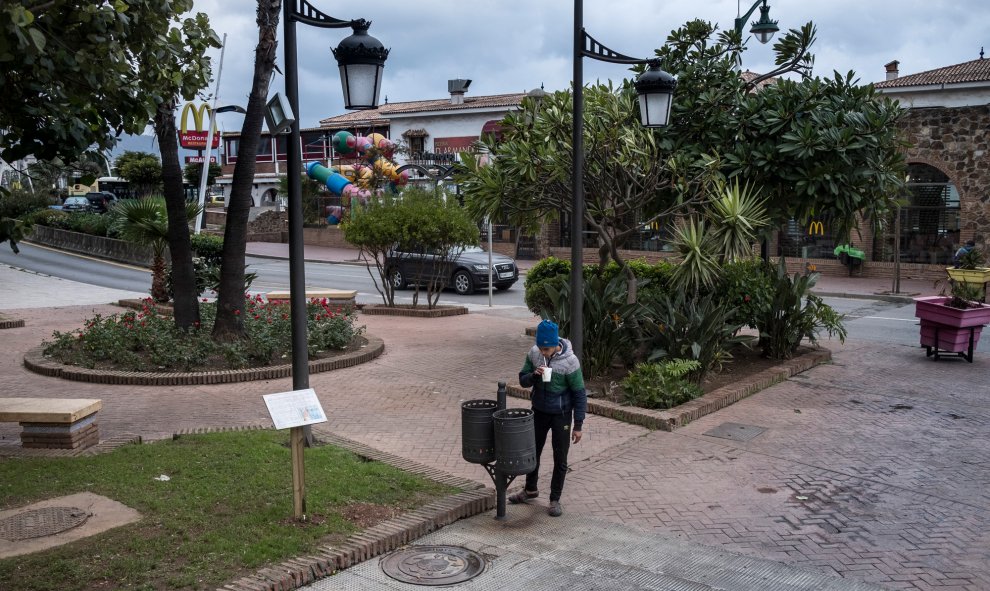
(38, 523)
(433, 565)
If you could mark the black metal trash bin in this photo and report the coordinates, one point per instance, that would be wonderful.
(515, 441)
(478, 431)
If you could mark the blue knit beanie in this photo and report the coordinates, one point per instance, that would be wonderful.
(546, 334)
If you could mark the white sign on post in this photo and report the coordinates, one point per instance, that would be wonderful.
(295, 408)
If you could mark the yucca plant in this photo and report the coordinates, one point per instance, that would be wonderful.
(737, 214)
(145, 221)
(699, 265)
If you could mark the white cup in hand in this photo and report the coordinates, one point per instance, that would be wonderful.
(547, 373)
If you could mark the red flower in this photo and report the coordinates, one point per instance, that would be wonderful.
(745, 298)
(237, 312)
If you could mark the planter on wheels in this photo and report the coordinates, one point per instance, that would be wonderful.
(945, 329)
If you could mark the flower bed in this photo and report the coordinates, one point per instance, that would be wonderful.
(148, 340)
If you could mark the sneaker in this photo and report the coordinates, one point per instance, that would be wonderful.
(523, 496)
(555, 509)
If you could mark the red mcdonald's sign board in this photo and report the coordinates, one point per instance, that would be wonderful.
(196, 138)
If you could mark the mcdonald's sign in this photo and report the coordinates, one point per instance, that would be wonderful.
(816, 226)
(195, 139)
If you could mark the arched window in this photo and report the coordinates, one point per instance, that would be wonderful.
(929, 221)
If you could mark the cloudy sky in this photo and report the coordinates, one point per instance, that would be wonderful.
(509, 46)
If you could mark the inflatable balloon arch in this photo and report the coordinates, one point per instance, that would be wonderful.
(376, 173)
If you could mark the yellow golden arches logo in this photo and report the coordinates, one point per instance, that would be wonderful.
(816, 226)
(195, 138)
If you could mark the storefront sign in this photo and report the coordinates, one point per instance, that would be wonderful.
(454, 145)
(195, 139)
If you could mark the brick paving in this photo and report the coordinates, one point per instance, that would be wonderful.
(874, 468)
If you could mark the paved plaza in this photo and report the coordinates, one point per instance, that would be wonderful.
(873, 468)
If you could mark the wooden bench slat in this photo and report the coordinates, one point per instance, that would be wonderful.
(47, 410)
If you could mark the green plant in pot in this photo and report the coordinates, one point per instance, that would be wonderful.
(970, 267)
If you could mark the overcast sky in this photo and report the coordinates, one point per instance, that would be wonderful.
(507, 46)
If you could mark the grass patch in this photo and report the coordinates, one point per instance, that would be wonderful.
(226, 510)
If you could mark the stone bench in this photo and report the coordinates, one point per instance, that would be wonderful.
(54, 423)
(335, 297)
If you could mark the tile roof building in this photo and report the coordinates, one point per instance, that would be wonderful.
(948, 115)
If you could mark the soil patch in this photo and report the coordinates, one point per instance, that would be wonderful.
(745, 363)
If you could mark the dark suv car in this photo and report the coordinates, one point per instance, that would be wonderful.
(466, 271)
(76, 205)
(100, 202)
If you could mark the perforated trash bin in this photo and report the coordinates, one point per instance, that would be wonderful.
(515, 441)
(478, 431)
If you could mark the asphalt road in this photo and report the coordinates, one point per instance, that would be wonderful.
(273, 275)
(872, 320)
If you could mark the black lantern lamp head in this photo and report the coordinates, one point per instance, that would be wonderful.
(361, 59)
(764, 28)
(656, 93)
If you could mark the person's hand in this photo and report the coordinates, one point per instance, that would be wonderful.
(576, 436)
(538, 371)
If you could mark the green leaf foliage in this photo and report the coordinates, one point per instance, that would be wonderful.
(793, 314)
(661, 385)
(77, 74)
(682, 327)
(611, 323)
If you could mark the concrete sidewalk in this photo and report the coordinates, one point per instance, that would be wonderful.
(869, 471)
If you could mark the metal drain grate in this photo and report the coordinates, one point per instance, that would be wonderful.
(433, 565)
(38, 523)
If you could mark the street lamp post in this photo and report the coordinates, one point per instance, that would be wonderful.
(656, 93)
(764, 28)
(361, 59)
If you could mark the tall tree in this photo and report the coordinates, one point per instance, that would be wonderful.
(142, 170)
(810, 147)
(229, 324)
(174, 67)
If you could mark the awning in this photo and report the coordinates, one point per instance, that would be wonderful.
(493, 127)
(415, 133)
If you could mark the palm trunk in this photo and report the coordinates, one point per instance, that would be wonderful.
(230, 301)
(158, 292)
(186, 297)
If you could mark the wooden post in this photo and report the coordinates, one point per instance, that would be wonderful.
(296, 437)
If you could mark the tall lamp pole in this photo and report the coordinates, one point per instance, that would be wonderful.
(656, 93)
(361, 59)
(764, 28)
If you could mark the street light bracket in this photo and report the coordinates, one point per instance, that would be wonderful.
(595, 50)
(304, 12)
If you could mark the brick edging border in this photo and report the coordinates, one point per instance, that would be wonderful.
(668, 420)
(19, 323)
(438, 312)
(35, 361)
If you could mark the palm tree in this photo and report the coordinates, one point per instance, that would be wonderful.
(145, 221)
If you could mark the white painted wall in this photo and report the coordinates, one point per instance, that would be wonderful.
(940, 95)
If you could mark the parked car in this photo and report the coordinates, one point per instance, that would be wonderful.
(100, 202)
(76, 205)
(466, 271)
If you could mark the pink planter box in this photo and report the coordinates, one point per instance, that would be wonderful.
(951, 339)
(933, 310)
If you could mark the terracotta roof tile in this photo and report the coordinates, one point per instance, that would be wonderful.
(381, 114)
(975, 71)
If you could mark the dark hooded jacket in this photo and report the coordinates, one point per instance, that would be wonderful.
(565, 392)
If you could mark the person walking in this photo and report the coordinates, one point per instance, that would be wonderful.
(560, 401)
